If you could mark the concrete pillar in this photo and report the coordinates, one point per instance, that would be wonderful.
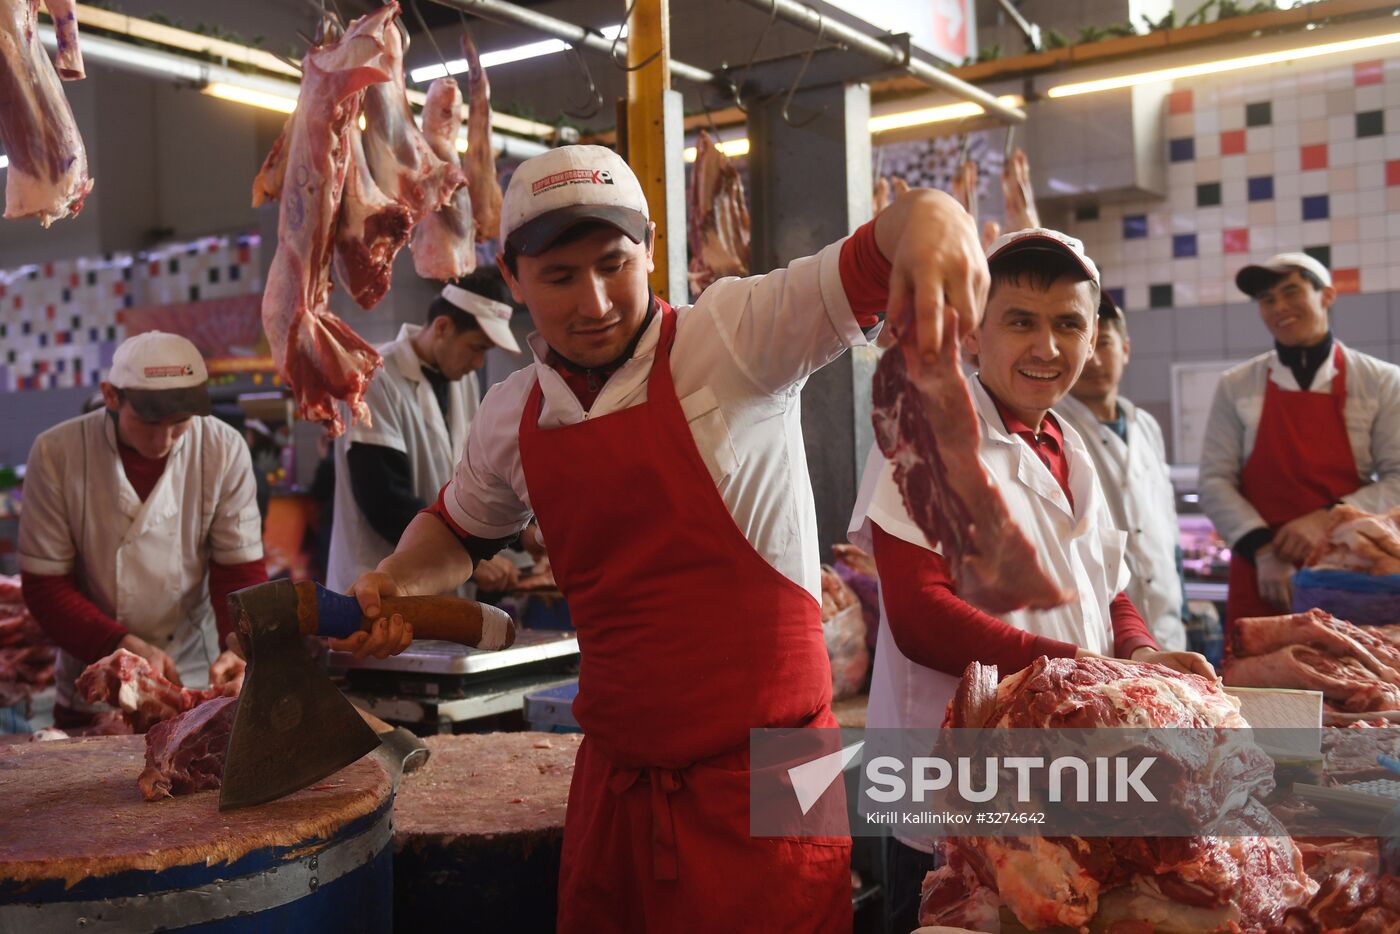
(811, 186)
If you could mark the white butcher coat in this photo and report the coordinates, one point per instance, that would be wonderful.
(1138, 488)
(144, 564)
(1080, 549)
(406, 417)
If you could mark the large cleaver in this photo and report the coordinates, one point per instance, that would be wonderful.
(293, 726)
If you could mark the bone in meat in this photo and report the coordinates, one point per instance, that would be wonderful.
(482, 181)
(48, 173)
(321, 357)
(928, 430)
(400, 159)
(144, 697)
(372, 229)
(717, 217)
(444, 242)
(1355, 669)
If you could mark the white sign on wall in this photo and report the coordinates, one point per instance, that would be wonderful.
(1193, 390)
(943, 28)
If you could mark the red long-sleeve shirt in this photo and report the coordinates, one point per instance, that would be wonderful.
(80, 627)
(916, 589)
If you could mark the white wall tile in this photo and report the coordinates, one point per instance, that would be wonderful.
(1208, 146)
(1344, 204)
(1232, 167)
(1158, 224)
(1287, 236)
(1286, 109)
(1371, 149)
(1259, 138)
(1231, 113)
(1211, 291)
(1373, 206)
(1312, 106)
(1182, 175)
(1316, 233)
(1373, 253)
(1392, 145)
(1370, 175)
(1179, 125)
(1233, 190)
(1370, 97)
(1285, 136)
(1392, 90)
(1264, 238)
(1135, 251)
(1287, 211)
(1208, 243)
(1372, 228)
(1345, 255)
(1207, 120)
(1135, 296)
(1184, 269)
(1288, 184)
(1159, 250)
(1341, 126)
(1209, 219)
(1392, 226)
(1312, 183)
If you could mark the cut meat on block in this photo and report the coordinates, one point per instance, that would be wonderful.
(1244, 879)
(27, 656)
(1358, 541)
(1355, 669)
(372, 229)
(482, 180)
(127, 682)
(187, 753)
(47, 176)
(444, 242)
(717, 217)
(319, 355)
(1350, 901)
(400, 159)
(927, 427)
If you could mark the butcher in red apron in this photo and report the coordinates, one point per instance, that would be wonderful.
(1292, 433)
(660, 450)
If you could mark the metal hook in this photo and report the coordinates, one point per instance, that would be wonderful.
(801, 73)
(753, 56)
(612, 52)
(418, 14)
(596, 103)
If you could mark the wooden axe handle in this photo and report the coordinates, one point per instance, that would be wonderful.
(453, 619)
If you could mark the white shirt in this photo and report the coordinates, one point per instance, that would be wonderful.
(1372, 414)
(406, 418)
(741, 356)
(145, 564)
(1078, 548)
(1138, 488)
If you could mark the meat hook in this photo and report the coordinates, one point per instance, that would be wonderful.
(612, 52)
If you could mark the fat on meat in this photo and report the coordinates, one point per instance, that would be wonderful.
(1356, 670)
(402, 163)
(321, 357)
(187, 753)
(48, 171)
(372, 228)
(1246, 879)
(144, 697)
(444, 242)
(717, 217)
(927, 427)
(482, 180)
(1359, 541)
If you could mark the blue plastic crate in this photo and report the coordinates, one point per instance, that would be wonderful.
(551, 710)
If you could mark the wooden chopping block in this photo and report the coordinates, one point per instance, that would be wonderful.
(77, 840)
(478, 832)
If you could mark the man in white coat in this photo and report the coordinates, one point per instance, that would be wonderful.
(1125, 443)
(1292, 433)
(140, 519)
(422, 405)
(1037, 333)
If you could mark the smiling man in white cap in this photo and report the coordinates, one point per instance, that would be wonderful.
(421, 405)
(660, 450)
(1038, 333)
(1292, 433)
(140, 519)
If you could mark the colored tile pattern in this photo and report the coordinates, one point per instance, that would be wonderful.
(61, 321)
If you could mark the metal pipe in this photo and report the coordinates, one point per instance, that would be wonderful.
(574, 35)
(805, 17)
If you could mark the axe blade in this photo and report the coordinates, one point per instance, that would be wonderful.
(293, 727)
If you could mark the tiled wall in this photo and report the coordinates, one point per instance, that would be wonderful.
(61, 321)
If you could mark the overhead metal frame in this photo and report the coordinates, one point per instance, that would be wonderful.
(884, 53)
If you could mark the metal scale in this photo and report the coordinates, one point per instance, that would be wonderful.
(441, 686)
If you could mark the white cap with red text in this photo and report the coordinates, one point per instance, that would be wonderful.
(552, 192)
(1045, 240)
(1251, 280)
(161, 375)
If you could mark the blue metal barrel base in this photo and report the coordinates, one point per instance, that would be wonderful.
(81, 851)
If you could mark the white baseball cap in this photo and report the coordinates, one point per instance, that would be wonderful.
(556, 190)
(492, 316)
(1044, 240)
(161, 375)
(1251, 280)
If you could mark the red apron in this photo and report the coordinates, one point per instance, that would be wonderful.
(688, 639)
(1301, 461)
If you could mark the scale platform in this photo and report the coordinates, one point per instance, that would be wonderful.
(430, 668)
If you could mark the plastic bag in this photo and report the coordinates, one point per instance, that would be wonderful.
(843, 629)
(1363, 599)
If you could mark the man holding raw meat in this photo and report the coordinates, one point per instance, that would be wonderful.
(140, 519)
(661, 451)
(1039, 330)
(1292, 433)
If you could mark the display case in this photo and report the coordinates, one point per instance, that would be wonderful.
(1205, 555)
